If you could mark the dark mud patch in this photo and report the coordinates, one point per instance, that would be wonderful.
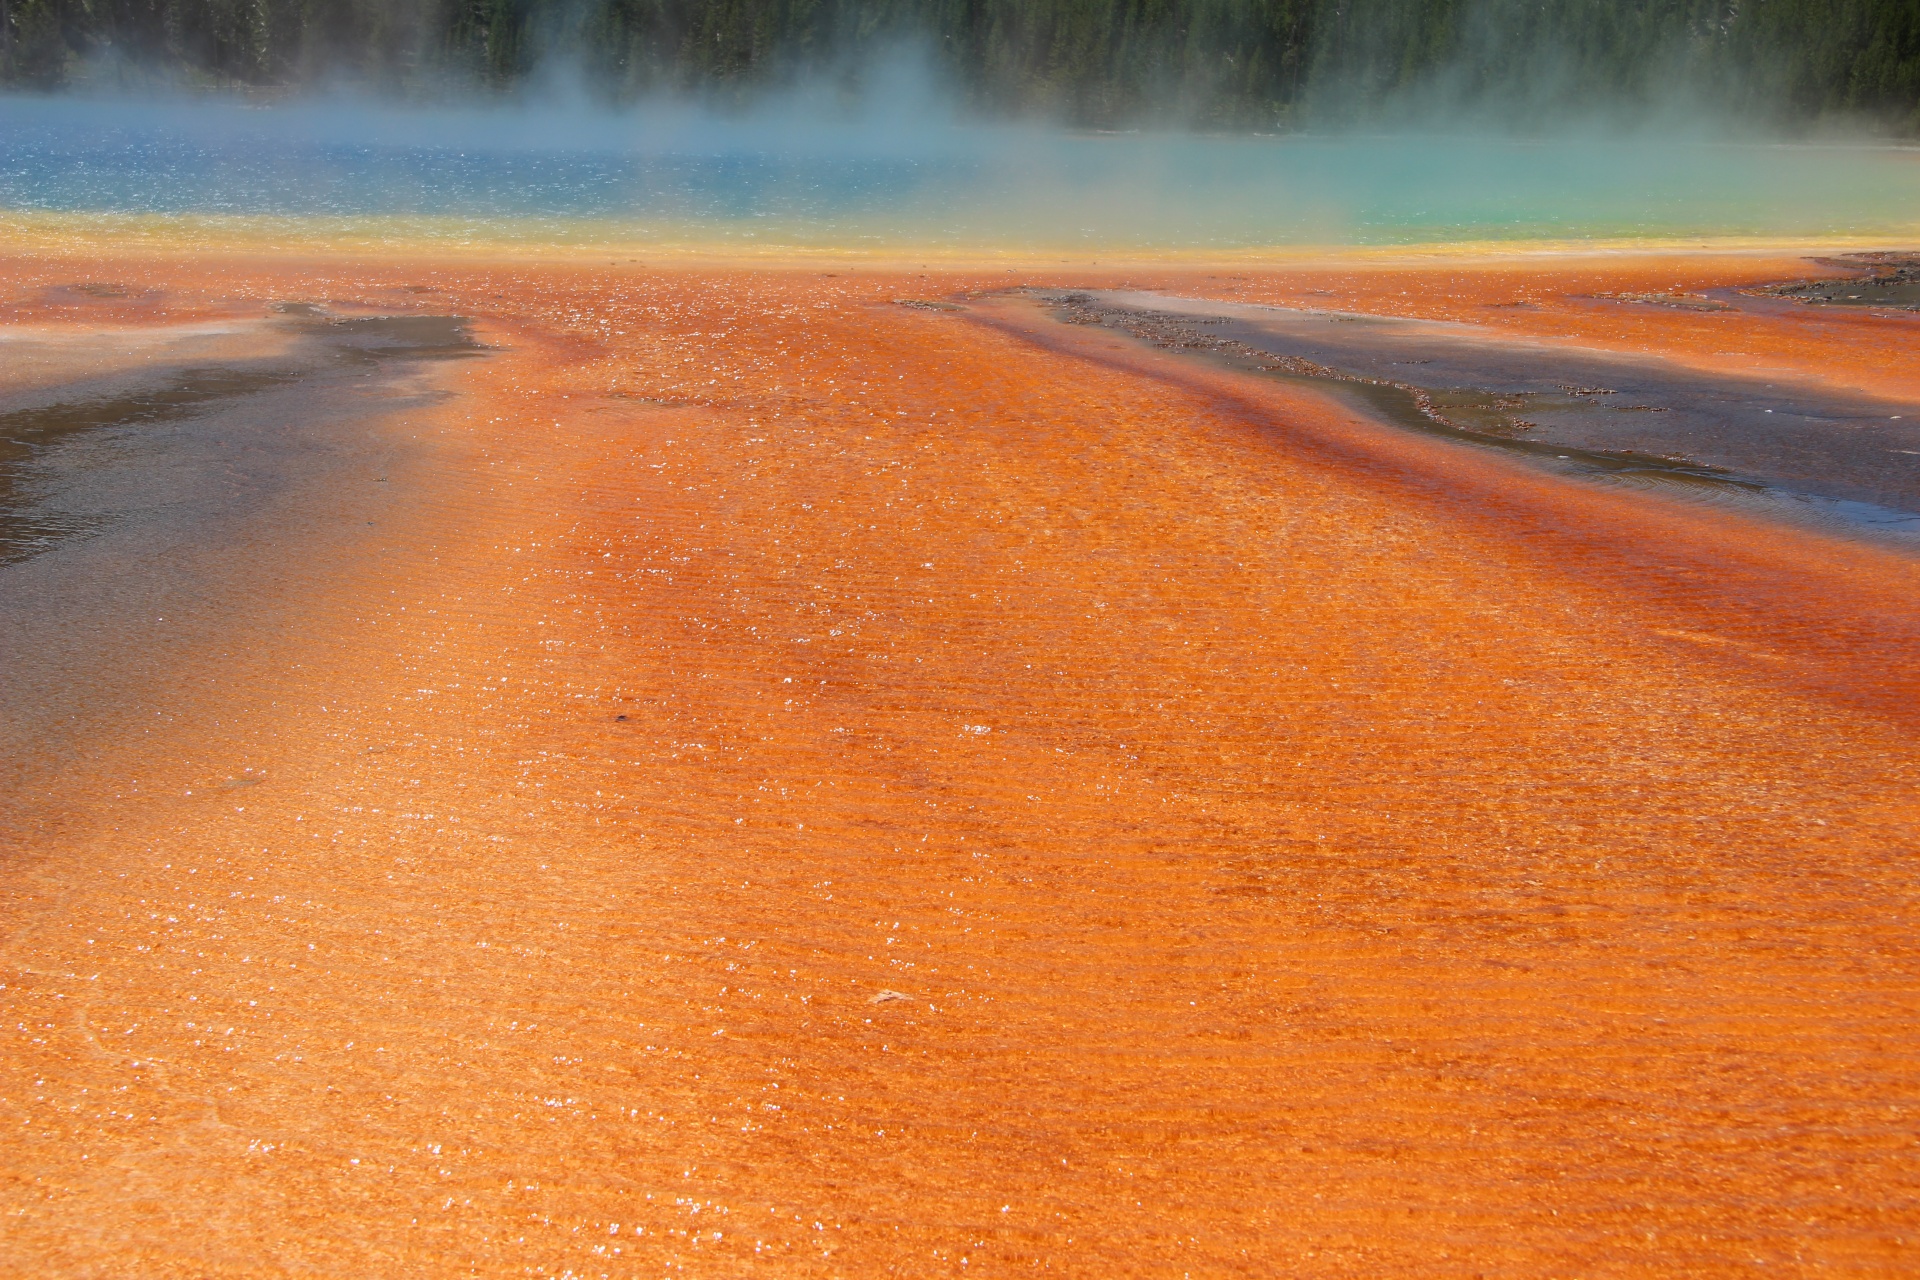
(1849, 464)
(1671, 301)
(399, 337)
(1881, 280)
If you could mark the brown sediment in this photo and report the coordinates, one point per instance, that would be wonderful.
(808, 785)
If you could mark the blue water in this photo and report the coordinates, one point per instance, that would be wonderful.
(669, 171)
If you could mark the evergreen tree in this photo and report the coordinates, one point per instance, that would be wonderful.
(1226, 63)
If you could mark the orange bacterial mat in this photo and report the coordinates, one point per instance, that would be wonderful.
(831, 772)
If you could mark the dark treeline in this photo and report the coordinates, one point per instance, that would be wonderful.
(1217, 63)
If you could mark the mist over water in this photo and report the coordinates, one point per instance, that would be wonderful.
(901, 169)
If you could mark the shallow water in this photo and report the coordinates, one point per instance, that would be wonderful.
(921, 179)
(52, 469)
(143, 513)
(1785, 447)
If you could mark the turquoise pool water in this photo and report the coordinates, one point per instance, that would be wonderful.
(814, 179)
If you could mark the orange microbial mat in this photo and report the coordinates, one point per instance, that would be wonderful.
(828, 770)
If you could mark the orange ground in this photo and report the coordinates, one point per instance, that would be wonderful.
(1303, 849)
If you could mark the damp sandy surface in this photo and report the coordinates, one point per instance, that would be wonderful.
(799, 784)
